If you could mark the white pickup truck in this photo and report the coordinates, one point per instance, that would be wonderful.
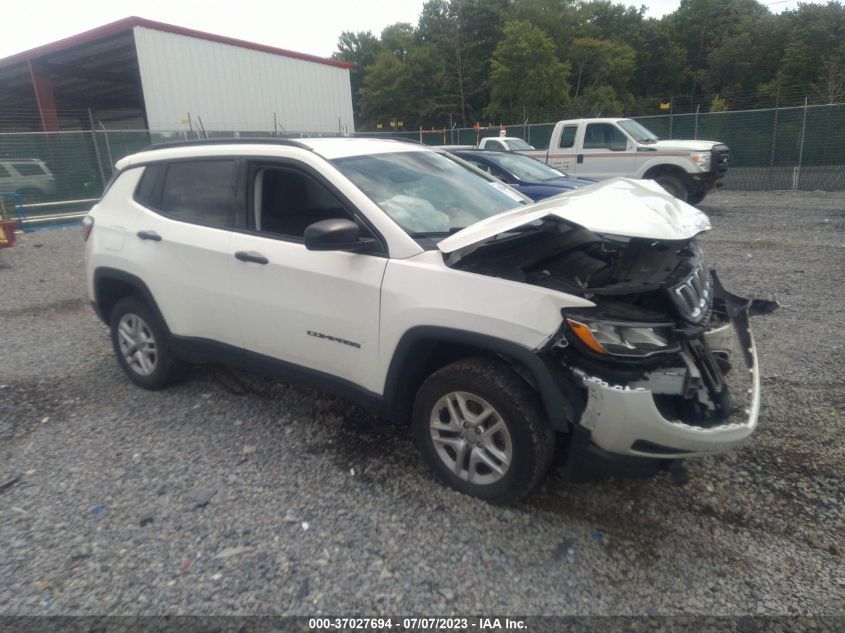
(603, 148)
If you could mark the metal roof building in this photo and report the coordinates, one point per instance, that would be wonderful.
(141, 74)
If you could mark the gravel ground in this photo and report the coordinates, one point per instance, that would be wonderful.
(232, 494)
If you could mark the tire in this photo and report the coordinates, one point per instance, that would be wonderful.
(516, 436)
(674, 185)
(133, 326)
(696, 198)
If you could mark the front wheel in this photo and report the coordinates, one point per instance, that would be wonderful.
(695, 198)
(482, 430)
(673, 185)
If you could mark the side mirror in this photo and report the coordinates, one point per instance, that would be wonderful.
(337, 234)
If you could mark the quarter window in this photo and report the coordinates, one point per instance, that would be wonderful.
(200, 191)
(4, 173)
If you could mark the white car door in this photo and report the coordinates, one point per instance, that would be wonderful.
(315, 309)
(606, 151)
(180, 245)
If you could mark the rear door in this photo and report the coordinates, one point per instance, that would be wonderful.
(606, 151)
(314, 309)
(181, 245)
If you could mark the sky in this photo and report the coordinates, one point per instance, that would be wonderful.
(310, 26)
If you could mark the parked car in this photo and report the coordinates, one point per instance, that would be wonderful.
(391, 274)
(504, 143)
(30, 177)
(605, 148)
(527, 175)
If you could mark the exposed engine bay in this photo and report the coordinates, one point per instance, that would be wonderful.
(655, 300)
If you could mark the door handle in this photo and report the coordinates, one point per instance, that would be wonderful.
(251, 256)
(149, 235)
(580, 158)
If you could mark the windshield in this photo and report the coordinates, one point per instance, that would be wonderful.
(517, 144)
(525, 167)
(427, 193)
(640, 133)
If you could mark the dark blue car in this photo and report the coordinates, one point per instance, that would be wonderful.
(528, 175)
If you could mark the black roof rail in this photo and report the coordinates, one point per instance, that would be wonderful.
(243, 140)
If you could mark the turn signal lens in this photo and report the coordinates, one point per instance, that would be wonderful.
(87, 225)
(585, 335)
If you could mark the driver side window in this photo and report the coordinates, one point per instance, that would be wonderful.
(604, 136)
(286, 201)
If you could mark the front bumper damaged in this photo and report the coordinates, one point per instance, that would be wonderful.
(625, 420)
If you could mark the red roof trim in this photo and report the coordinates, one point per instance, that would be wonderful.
(127, 24)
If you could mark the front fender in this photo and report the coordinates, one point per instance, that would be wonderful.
(646, 163)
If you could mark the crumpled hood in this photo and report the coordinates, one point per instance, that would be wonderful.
(619, 206)
(682, 145)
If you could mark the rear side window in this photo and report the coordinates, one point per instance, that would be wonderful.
(3, 172)
(200, 191)
(567, 137)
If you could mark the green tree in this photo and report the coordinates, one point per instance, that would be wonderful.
(427, 83)
(660, 69)
(383, 95)
(359, 49)
(527, 75)
(466, 33)
(742, 59)
(717, 104)
(601, 62)
(814, 33)
(559, 19)
(399, 39)
(701, 26)
(830, 86)
(597, 101)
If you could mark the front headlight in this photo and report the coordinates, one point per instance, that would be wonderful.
(615, 338)
(702, 159)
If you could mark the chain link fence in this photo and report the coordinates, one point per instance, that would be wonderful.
(795, 148)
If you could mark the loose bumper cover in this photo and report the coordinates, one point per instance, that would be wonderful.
(625, 420)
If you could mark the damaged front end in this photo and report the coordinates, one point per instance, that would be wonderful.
(665, 361)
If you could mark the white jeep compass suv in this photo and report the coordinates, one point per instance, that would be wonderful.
(416, 285)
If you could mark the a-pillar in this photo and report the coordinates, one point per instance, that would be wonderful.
(42, 85)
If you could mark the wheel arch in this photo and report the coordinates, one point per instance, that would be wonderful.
(425, 349)
(667, 169)
(111, 285)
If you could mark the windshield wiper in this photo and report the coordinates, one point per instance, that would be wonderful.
(452, 230)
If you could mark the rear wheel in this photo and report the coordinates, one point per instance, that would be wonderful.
(140, 345)
(482, 430)
(674, 185)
